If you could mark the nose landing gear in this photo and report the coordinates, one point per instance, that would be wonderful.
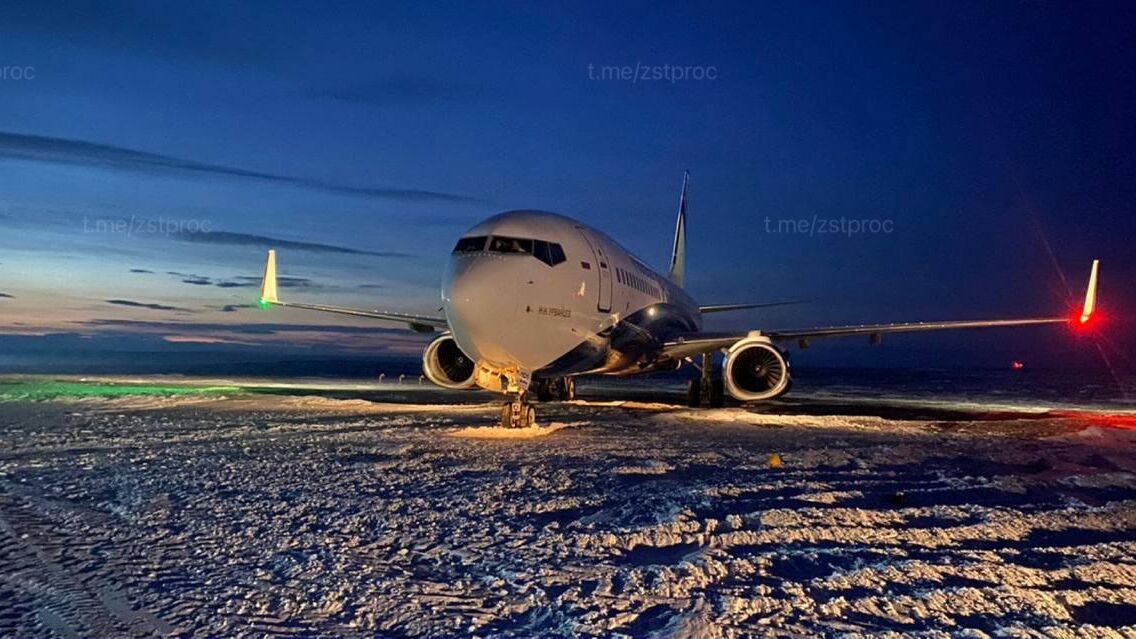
(517, 412)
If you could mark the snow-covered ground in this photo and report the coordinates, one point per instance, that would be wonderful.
(387, 511)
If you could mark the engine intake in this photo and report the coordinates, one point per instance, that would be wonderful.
(755, 369)
(446, 365)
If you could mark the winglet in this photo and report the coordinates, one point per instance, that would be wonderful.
(1090, 294)
(268, 285)
(678, 253)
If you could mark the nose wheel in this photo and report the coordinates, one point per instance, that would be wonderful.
(518, 413)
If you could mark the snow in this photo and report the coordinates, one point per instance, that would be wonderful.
(499, 432)
(381, 511)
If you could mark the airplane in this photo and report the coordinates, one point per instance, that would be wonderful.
(533, 299)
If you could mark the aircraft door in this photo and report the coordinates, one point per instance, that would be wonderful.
(604, 271)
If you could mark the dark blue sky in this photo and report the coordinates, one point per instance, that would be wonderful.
(980, 131)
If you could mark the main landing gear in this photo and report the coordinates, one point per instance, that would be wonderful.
(556, 389)
(709, 386)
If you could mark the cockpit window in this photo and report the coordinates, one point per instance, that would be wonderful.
(550, 253)
(471, 244)
(498, 244)
(557, 254)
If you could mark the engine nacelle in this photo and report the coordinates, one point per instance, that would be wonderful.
(755, 369)
(446, 365)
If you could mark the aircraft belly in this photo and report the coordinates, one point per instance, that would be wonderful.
(630, 345)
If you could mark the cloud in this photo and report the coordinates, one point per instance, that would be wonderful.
(281, 281)
(245, 239)
(155, 307)
(5, 295)
(140, 270)
(38, 148)
(241, 281)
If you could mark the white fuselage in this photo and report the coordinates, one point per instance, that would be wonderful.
(530, 293)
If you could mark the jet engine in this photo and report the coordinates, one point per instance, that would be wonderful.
(446, 365)
(755, 369)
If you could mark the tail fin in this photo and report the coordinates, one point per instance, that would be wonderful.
(678, 253)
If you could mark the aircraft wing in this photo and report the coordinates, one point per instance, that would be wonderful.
(722, 308)
(268, 297)
(686, 346)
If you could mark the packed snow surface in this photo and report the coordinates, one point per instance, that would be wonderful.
(313, 510)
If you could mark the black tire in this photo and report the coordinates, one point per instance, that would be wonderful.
(544, 390)
(717, 393)
(567, 389)
(507, 415)
(694, 393)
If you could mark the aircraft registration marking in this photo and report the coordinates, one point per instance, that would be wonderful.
(553, 311)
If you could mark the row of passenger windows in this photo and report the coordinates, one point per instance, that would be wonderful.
(636, 282)
(550, 253)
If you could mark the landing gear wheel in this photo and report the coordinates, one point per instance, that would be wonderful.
(545, 390)
(517, 413)
(717, 393)
(694, 393)
(567, 389)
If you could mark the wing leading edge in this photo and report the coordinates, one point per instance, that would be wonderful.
(269, 297)
(706, 342)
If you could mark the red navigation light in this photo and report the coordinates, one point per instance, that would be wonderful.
(1085, 323)
(1017, 365)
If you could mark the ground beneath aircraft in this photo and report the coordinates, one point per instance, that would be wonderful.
(238, 509)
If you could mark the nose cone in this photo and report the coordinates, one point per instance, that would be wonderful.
(479, 297)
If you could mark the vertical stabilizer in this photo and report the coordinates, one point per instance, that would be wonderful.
(678, 253)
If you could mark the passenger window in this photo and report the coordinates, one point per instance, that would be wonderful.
(470, 244)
